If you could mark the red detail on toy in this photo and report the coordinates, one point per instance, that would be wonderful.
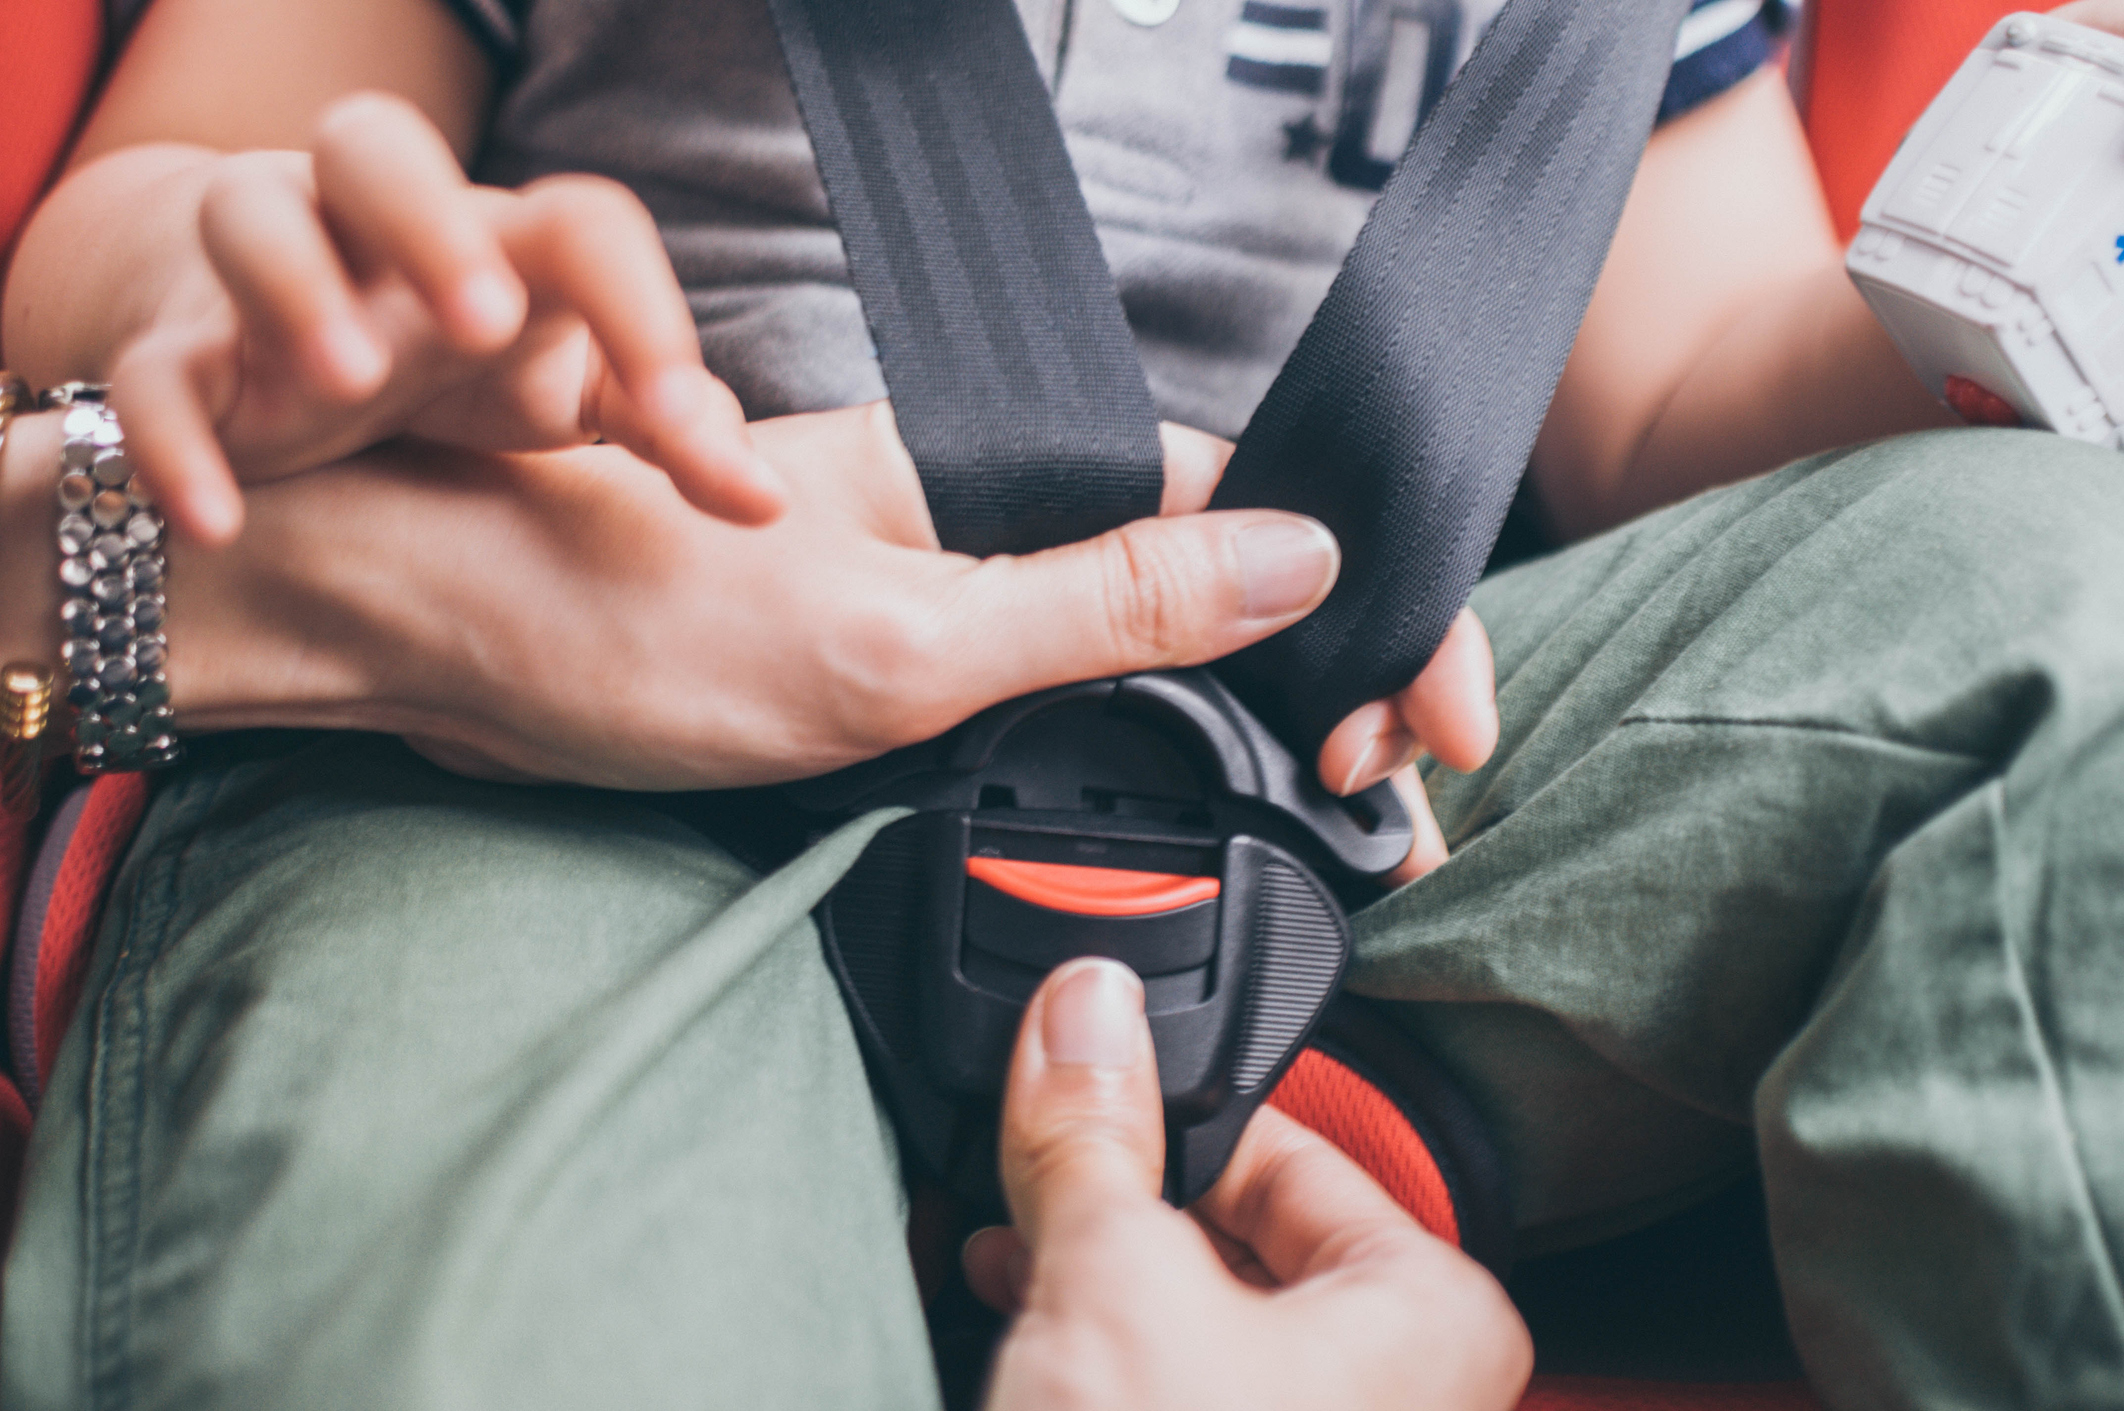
(1327, 1095)
(1979, 405)
(108, 822)
(1865, 69)
(1091, 891)
(1622, 1394)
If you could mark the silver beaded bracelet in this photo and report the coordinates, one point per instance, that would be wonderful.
(111, 567)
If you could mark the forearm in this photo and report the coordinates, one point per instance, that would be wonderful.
(283, 629)
(200, 78)
(1805, 369)
(1723, 338)
(100, 259)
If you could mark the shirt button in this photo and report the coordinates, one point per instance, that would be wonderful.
(1147, 12)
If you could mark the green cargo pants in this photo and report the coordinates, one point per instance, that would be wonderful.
(1804, 845)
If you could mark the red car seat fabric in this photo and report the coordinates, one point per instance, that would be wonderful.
(46, 68)
(50, 951)
(1866, 69)
(1327, 1095)
(56, 953)
(1368, 1088)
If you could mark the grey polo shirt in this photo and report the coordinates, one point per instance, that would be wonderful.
(1225, 152)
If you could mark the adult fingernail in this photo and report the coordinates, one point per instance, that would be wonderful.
(1379, 759)
(1095, 1016)
(1285, 564)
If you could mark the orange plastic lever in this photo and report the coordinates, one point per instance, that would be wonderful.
(1091, 891)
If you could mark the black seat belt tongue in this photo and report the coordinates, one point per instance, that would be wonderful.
(1154, 818)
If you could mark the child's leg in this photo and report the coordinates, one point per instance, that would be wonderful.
(1808, 820)
(392, 1089)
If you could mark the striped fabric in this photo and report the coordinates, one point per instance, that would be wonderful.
(1286, 48)
(1294, 48)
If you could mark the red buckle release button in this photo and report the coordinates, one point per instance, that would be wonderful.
(1091, 891)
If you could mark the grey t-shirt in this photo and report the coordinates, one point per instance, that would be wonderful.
(1225, 154)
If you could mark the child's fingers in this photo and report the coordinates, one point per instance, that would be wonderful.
(589, 246)
(391, 188)
(262, 233)
(707, 451)
(159, 387)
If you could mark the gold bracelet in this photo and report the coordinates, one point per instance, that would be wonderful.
(25, 720)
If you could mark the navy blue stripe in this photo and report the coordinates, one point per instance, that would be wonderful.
(1260, 12)
(1715, 68)
(1281, 78)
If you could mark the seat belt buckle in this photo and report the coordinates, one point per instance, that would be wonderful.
(1150, 819)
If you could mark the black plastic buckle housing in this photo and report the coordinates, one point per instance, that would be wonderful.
(1150, 819)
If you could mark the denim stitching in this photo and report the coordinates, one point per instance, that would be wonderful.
(111, 1257)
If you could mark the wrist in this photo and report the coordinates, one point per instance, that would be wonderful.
(267, 631)
(258, 632)
(29, 555)
(97, 260)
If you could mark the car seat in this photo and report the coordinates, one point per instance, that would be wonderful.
(1862, 71)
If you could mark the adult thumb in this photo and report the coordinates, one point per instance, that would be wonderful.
(1173, 591)
(1083, 1132)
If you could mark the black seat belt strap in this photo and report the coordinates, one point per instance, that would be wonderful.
(1153, 818)
(1405, 417)
(1012, 371)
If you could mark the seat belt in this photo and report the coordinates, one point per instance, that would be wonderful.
(1172, 820)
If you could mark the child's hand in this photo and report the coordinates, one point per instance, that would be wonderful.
(367, 290)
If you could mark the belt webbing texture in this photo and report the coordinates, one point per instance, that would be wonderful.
(1404, 419)
(1013, 375)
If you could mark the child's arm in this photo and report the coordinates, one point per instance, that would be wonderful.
(337, 281)
(1725, 338)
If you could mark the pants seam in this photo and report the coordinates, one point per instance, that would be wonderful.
(113, 1186)
(1813, 727)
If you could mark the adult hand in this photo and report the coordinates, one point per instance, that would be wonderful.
(1449, 711)
(568, 616)
(1296, 1283)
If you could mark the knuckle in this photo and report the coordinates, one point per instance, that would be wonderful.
(882, 660)
(1148, 595)
(359, 116)
(363, 106)
(238, 179)
(579, 202)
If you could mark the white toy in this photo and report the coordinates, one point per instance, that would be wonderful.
(1993, 248)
